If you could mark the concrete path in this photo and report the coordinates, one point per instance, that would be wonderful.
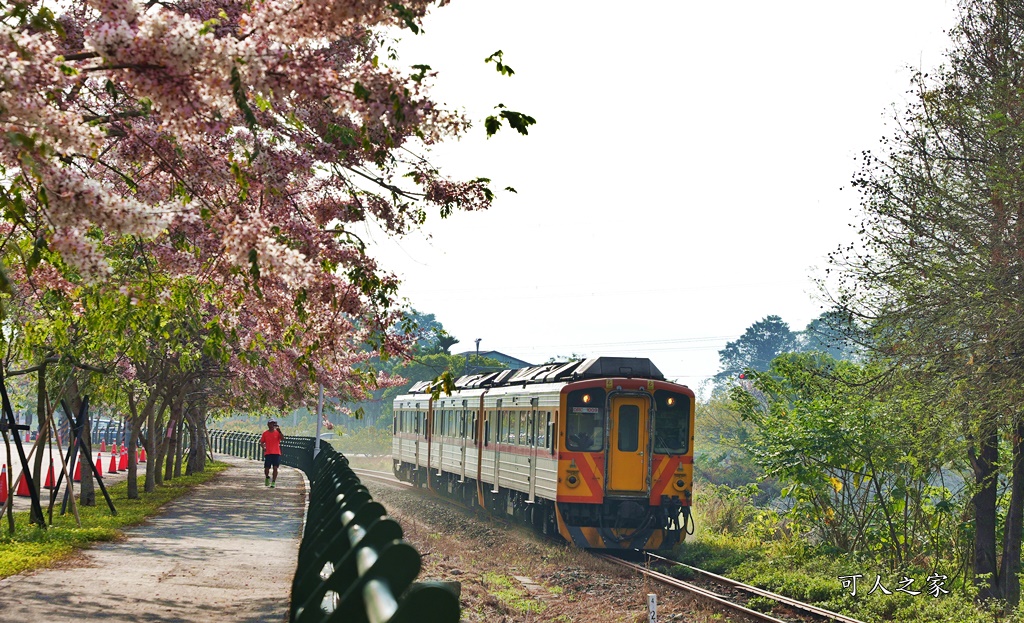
(225, 553)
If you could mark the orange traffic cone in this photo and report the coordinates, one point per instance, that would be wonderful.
(23, 487)
(123, 449)
(3, 485)
(103, 446)
(99, 464)
(142, 454)
(112, 468)
(78, 469)
(27, 436)
(49, 476)
(122, 465)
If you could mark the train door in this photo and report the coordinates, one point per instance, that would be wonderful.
(531, 441)
(499, 428)
(627, 444)
(463, 437)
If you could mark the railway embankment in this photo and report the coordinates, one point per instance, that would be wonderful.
(509, 573)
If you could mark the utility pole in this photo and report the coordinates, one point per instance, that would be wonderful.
(319, 420)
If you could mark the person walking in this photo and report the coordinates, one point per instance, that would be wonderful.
(271, 444)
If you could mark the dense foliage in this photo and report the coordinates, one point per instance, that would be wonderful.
(181, 188)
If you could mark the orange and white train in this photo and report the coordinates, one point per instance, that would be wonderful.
(599, 450)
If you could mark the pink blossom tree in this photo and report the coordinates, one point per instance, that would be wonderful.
(183, 183)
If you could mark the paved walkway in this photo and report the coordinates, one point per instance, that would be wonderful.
(224, 553)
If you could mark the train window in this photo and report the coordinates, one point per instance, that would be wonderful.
(584, 422)
(671, 422)
(549, 430)
(513, 427)
(487, 427)
(462, 423)
(629, 428)
(531, 434)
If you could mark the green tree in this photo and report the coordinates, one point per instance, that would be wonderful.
(858, 464)
(937, 272)
(832, 333)
(755, 349)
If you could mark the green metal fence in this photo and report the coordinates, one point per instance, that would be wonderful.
(353, 564)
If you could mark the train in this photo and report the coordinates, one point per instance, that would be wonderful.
(599, 451)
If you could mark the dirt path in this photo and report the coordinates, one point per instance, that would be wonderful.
(225, 553)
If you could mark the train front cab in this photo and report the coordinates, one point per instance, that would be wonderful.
(625, 469)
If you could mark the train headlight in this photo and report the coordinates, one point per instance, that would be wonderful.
(586, 399)
(572, 481)
(679, 484)
(671, 401)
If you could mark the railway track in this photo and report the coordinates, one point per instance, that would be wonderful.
(722, 591)
(386, 477)
(734, 595)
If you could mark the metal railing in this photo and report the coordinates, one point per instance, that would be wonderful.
(353, 564)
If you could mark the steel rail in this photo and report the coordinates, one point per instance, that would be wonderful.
(691, 588)
(387, 477)
(799, 605)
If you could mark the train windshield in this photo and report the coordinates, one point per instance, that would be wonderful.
(671, 422)
(584, 422)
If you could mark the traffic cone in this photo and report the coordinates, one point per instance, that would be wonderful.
(23, 487)
(49, 476)
(122, 465)
(112, 468)
(123, 449)
(78, 469)
(27, 436)
(142, 454)
(103, 446)
(3, 485)
(99, 464)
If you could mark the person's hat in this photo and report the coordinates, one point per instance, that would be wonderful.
(271, 421)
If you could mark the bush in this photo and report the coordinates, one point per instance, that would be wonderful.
(371, 441)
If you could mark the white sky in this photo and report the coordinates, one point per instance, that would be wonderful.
(682, 181)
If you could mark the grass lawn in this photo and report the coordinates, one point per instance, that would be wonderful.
(32, 548)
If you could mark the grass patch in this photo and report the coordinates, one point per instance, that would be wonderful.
(811, 574)
(33, 548)
(509, 593)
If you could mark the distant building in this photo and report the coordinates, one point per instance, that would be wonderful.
(508, 360)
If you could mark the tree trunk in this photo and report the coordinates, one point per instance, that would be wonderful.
(152, 448)
(133, 464)
(44, 428)
(1009, 580)
(984, 462)
(180, 434)
(86, 488)
(171, 442)
(133, 444)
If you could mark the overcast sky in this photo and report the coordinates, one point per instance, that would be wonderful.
(682, 181)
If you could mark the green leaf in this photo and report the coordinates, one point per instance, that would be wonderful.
(492, 124)
(407, 16)
(360, 92)
(422, 71)
(254, 266)
(518, 121)
(240, 100)
(502, 68)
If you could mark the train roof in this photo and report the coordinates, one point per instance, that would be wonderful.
(560, 372)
